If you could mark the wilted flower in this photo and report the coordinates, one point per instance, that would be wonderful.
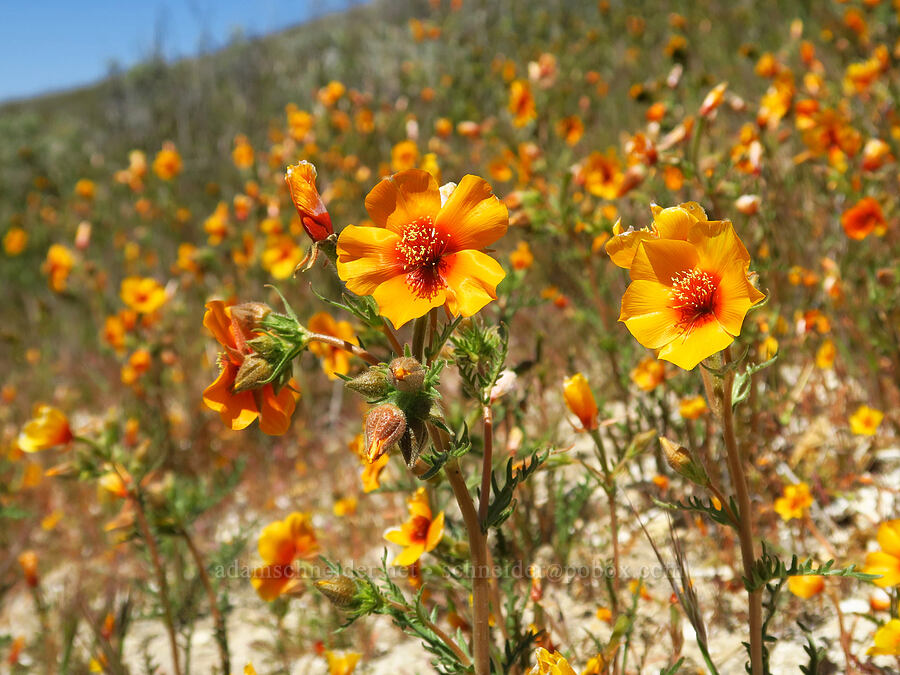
(385, 426)
(420, 534)
(424, 251)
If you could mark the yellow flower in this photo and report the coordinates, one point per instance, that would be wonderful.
(167, 163)
(674, 222)
(424, 252)
(806, 586)
(886, 562)
(14, 241)
(602, 175)
(281, 257)
(345, 506)
(142, 294)
(550, 664)
(580, 400)
(688, 298)
(341, 663)
(85, 188)
(420, 534)
(794, 502)
(242, 155)
(649, 374)
(49, 427)
(280, 544)
(138, 363)
(335, 361)
(887, 640)
(865, 421)
(825, 355)
(692, 408)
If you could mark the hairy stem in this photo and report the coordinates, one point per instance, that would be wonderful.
(464, 660)
(356, 350)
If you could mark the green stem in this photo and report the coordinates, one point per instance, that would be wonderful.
(418, 340)
(609, 487)
(356, 350)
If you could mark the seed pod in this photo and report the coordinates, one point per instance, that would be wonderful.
(681, 461)
(372, 384)
(407, 374)
(248, 315)
(340, 590)
(254, 371)
(385, 425)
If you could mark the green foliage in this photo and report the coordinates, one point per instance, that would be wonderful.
(459, 446)
(697, 504)
(769, 567)
(570, 501)
(479, 353)
(502, 504)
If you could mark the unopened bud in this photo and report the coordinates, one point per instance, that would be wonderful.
(681, 461)
(301, 181)
(248, 315)
(407, 374)
(340, 590)
(254, 371)
(385, 425)
(372, 384)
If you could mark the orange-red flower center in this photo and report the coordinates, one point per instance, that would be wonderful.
(419, 528)
(420, 253)
(694, 295)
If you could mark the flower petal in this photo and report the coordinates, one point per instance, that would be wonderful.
(399, 536)
(647, 314)
(694, 346)
(366, 257)
(397, 302)
(237, 410)
(662, 259)
(402, 198)
(889, 538)
(674, 222)
(879, 562)
(435, 532)
(733, 297)
(622, 248)
(276, 410)
(218, 321)
(473, 217)
(718, 244)
(409, 555)
(471, 278)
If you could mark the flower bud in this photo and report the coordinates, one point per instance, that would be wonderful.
(340, 590)
(580, 400)
(682, 463)
(747, 204)
(29, 562)
(372, 384)
(248, 315)
(407, 374)
(713, 99)
(253, 373)
(301, 181)
(385, 425)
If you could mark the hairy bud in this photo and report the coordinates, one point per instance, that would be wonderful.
(385, 425)
(253, 373)
(372, 384)
(407, 374)
(340, 590)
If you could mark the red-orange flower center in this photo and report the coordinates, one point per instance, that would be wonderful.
(695, 295)
(419, 529)
(420, 253)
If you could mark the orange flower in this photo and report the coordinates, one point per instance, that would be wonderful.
(522, 258)
(571, 129)
(242, 155)
(301, 181)
(425, 251)
(238, 409)
(138, 363)
(521, 103)
(806, 586)
(580, 400)
(49, 427)
(14, 241)
(167, 163)
(688, 298)
(863, 218)
(142, 294)
(57, 266)
(335, 361)
(692, 408)
(601, 175)
(281, 256)
(85, 188)
(649, 374)
(29, 563)
(794, 502)
(420, 534)
(886, 562)
(280, 544)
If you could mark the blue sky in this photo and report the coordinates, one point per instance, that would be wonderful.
(48, 45)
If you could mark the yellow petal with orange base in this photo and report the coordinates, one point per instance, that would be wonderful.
(471, 278)
(402, 198)
(367, 257)
(399, 305)
(472, 216)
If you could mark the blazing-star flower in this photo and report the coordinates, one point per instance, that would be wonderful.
(425, 249)
(601, 174)
(48, 428)
(281, 256)
(865, 421)
(794, 502)
(886, 562)
(14, 241)
(521, 103)
(806, 586)
(335, 361)
(142, 294)
(280, 544)
(420, 534)
(887, 640)
(688, 298)
(28, 560)
(580, 400)
(167, 163)
(57, 266)
(649, 374)
(238, 409)
(550, 664)
(692, 408)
